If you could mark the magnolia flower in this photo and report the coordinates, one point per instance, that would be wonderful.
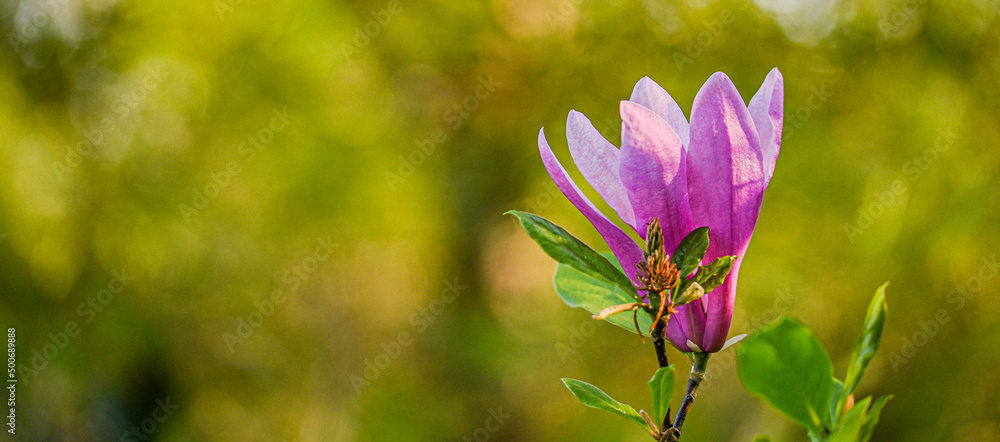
(711, 172)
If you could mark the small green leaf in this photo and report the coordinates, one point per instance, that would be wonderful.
(714, 274)
(867, 344)
(871, 418)
(838, 388)
(580, 290)
(849, 428)
(761, 438)
(593, 397)
(567, 249)
(785, 365)
(662, 388)
(691, 251)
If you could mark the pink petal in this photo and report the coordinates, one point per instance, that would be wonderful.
(597, 159)
(726, 185)
(767, 110)
(653, 97)
(653, 171)
(675, 332)
(687, 324)
(624, 247)
(720, 328)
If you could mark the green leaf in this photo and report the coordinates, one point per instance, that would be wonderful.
(867, 344)
(849, 428)
(691, 250)
(785, 365)
(838, 388)
(567, 249)
(872, 416)
(662, 388)
(761, 438)
(714, 274)
(593, 397)
(580, 290)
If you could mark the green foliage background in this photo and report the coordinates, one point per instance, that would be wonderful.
(870, 86)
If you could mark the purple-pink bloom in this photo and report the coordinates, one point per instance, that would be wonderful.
(711, 172)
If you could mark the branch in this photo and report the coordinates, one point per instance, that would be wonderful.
(695, 380)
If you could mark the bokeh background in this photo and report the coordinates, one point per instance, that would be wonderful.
(285, 217)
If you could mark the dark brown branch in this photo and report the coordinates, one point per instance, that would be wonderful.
(660, 344)
(695, 380)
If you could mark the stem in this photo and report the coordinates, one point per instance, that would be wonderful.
(660, 344)
(697, 376)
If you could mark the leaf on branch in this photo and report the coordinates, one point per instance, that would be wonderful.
(578, 289)
(594, 397)
(567, 249)
(691, 250)
(872, 417)
(661, 386)
(849, 428)
(785, 365)
(867, 345)
(714, 274)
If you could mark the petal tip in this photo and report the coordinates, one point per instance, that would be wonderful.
(630, 108)
(775, 78)
(644, 81)
(719, 84)
(575, 120)
(719, 76)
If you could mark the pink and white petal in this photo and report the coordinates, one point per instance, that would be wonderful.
(767, 109)
(650, 95)
(597, 159)
(726, 185)
(652, 169)
(623, 246)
